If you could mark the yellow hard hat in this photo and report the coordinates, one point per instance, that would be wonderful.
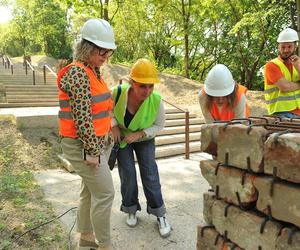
(144, 71)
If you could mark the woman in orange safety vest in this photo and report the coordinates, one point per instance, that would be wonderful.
(84, 124)
(222, 99)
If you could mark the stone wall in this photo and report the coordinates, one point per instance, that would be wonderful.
(254, 202)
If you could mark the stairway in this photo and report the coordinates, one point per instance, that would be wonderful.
(20, 91)
(171, 140)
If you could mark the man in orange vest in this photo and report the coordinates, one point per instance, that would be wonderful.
(222, 99)
(282, 87)
(84, 125)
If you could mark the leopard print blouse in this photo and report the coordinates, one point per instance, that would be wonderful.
(76, 83)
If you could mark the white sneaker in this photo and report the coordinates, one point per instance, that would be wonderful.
(163, 226)
(131, 220)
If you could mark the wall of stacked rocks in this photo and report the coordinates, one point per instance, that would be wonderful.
(254, 201)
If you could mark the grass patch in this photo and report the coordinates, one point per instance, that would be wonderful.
(21, 201)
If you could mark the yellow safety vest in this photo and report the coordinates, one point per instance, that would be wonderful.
(143, 118)
(278, 101)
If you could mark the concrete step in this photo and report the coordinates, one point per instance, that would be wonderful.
(21, 105)
(29, 100)
(169, 110)
(178, 122)
(171, 139)
(22, 74)
(176, 149)
(28, 81)
(30, 87)
(26, 91)
(179, 130)
(31, 96)
(178, 116)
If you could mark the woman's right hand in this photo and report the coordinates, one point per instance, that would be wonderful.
(92, 161)
(116, 134)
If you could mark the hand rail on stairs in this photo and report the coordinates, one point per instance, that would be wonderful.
(28, 64)
(7, 63)
(47, 67)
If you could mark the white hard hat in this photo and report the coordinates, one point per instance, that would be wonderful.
(288, 35)
(99, 32)
(219, 81)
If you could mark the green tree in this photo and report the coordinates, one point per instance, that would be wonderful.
(38, 27)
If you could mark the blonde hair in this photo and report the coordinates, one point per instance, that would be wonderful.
(231, 99)
(61, 63)
(83, 50)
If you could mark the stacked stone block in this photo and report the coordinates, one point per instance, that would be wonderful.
(254, 202)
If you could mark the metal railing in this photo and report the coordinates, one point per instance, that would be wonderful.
(46, 67)
(7, 63)
(28, 64)
(187, 126)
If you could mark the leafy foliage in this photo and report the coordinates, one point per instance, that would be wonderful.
(37, 27)
(182, 36)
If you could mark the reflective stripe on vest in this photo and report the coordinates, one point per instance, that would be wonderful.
(278, 101)
(143, 118)
(101, 105)
(95, 99)
(68, 115)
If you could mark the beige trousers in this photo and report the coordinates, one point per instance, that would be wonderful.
(97, 192)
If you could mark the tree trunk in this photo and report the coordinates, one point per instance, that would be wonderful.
(186, 18)
(105, 10)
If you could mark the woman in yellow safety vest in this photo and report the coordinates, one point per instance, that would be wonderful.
(85, 123)
(222, 99)
(138, 115)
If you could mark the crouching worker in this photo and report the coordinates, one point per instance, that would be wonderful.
(222, 99)
(85, 121)
(138, 115)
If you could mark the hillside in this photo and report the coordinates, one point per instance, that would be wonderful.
(176, 89)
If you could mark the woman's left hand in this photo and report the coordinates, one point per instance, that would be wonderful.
(116, 134)
(134, 136)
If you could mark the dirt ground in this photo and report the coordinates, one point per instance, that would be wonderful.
(22, 203)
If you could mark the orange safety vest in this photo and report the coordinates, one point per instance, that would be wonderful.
(228, 113)
(101, 105)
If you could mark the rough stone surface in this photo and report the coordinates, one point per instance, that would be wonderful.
(207, 239)
(208, 201)
(284, 154)
(229, 183)
(282, 241)
(243, 227)
(209, 136)
(264, 120)
(211, 240)
(284, 202)
(238, 144)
